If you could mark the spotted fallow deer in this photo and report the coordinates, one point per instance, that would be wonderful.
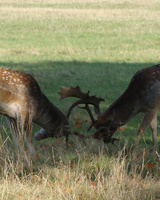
(141, 95)
(22, 101)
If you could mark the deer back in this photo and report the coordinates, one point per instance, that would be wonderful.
(21, 95)
(142, 94)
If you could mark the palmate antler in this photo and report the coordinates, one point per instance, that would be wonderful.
(86, 100)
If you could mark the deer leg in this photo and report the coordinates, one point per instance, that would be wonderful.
(12, 123)
(153, 126)
(31, 147)
(27, 129)
(149, 116)
(17, 128)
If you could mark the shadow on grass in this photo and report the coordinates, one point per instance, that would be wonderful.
(80, 71)
(70, 64)
(102, 78)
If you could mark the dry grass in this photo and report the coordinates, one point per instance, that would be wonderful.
(122, 29)
(87, 176)
(92, 178)
(143, 2)
(75, 173)
(85, 14)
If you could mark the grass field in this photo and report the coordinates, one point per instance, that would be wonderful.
(98, 45)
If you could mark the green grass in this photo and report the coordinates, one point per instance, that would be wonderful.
(98, 45)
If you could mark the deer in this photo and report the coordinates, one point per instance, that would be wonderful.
(22, 102)
(141, 96)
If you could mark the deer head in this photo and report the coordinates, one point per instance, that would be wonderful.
(104, 130)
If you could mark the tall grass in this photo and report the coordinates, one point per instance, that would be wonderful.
(98, 45)
(79, 174)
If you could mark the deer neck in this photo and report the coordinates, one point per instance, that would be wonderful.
(123, 109)
(49, 116)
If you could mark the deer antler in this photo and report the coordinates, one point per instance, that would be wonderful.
(72, 92)
(84, 99)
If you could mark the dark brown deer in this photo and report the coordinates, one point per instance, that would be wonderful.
(22, 101)
(141, 95)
